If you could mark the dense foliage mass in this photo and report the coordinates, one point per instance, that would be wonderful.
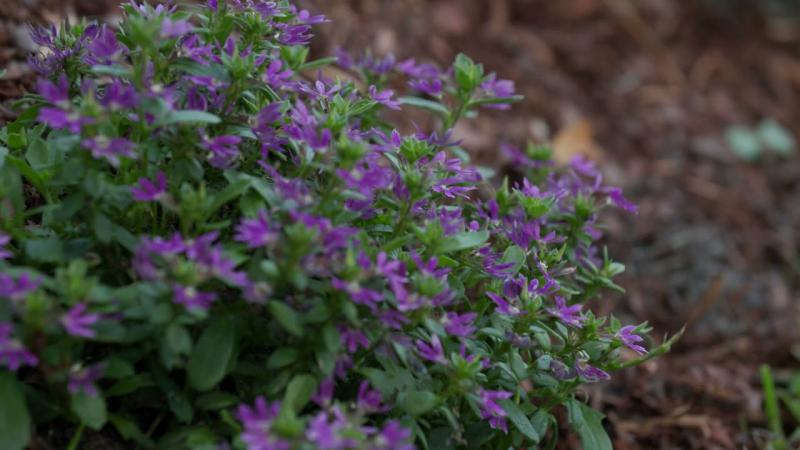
(210, 242)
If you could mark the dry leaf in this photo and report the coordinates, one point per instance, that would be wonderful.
(577, 138)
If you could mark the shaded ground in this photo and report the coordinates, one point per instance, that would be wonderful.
(648, 91)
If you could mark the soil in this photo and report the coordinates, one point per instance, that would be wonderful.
(648, 89)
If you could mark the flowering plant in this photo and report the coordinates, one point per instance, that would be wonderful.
(211, 242)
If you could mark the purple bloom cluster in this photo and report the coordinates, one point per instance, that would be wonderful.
(84, 379)
(13, 354)
(78, 321)
(16, 289)
(148, 191)
(491, 410)
(158, 258)
(4, 252)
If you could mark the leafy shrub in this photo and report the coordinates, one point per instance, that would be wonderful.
(209, 243)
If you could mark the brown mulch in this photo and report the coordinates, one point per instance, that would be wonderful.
(647, 88)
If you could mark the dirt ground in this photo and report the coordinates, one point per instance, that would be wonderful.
(649, 89)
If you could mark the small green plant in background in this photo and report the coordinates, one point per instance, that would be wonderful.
(776, 400)
(751, 144)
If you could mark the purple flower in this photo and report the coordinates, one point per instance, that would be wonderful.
(352, 339)
(630, 339)
(503, 306)
(59, 119)
(256, 232)
(276, 77)
(498, 88)
(393, 319)
(432, 352)
(84, 379)
(369, 400)
(492, 411)
(12, 353)
(560, 370)
(293, 34)
(57, 94)
(304, 128)
(384, 97)
(257, 421)
(110, 149)
(174, 28)
(191, 298)
(77, 321)
(43, 36)
(393, 437)
(19, 288)
(432, 86)
(5, 253)
(103, 48)
(148, 191)
(324, 394)
(615, 195)
(223, 150)
(590, 373)
(584, 166)
(324, 434)
(321, 91)
(118, 95)
(459, 325)
(303, 16)
(358, 294)
(570, 315)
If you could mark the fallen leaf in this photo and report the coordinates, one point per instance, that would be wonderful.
(577, 138)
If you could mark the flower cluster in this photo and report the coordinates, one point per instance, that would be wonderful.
(210, 219)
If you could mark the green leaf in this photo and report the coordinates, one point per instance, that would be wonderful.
(128, 429)
(299, 392)
(38, 156)
(189, 116)
(429, 105)
(520, 420)
(178, 339)
(776, 138)
(103, 227)
(516, 255)
(282, 357)
(13, 206)
(771, 409)
(90, 409)
(235, 189)
(417, 403)
(286, 317)
(743, 142)
(464, 241)
(117, 71)
(317, 63)
(496, 100)
(588, 423)
(47, 250)
(15, 421)
(468, 74)
(216, 400)
(209, 359)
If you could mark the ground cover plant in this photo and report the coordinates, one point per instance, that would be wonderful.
(211, 242)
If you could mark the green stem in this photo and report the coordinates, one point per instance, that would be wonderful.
(771, 408)
(76, 438)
